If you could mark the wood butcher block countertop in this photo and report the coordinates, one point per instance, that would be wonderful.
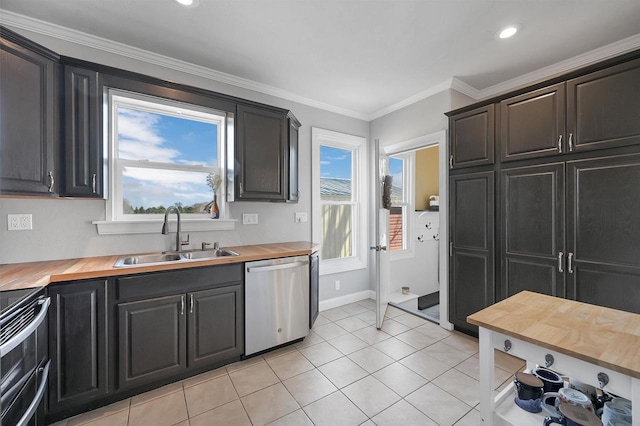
(601, 336)
(39, 274)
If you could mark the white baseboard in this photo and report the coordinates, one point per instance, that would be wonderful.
(346, 299)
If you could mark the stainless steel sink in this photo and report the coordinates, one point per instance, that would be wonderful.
(164, 258)
(208, 254)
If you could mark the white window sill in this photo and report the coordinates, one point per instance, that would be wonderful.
(155, 226)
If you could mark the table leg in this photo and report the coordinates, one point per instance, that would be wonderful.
(487, 398)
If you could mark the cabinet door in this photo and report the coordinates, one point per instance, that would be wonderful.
(532, 124)
(261, 150)
(472, 137)
(603, 108)
(78, 344)
(294, 190)
(151, 340)
(603, 231)
(215, 330)
(471, 273)
(28, 117)
(82, 142)
(532, 230)
(314, 282)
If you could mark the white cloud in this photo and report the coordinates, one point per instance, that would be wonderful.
(325, 163)
(139, 138)
(170, 178)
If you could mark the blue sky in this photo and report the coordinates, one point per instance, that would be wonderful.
(335, 162)
(161, 138)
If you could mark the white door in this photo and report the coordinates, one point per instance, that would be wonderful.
(382, 239)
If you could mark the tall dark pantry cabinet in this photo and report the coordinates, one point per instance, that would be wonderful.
(545, 192)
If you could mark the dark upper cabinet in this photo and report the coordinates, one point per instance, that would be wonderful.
(78, 344)
(215, 325)
(603, 108)
(533, 124)
(29, 115)
(262, 165)
(471, 262)
(293, 190)
(472, 138)
(152, 340)
(532, 230)
(82, 142)
(266, 154)
(603, 231)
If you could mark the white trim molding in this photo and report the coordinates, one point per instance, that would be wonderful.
(346, 299)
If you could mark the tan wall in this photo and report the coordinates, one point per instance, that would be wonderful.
(426, 176)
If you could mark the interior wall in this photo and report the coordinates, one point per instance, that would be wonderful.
(62, 228)
(427, 179)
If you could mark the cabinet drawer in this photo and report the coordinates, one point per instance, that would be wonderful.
(143, 286)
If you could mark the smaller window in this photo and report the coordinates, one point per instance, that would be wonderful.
(401, 169)
(163, 153)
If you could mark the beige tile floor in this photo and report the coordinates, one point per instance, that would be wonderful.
(346, 372)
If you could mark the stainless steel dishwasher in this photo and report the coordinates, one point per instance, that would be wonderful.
(276, 302)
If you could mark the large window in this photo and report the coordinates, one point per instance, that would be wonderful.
(163, 154)
(339, 197)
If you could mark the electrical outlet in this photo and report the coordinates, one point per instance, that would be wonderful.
(250, 219)
(337, 285)
(19, 222)
(301, 217)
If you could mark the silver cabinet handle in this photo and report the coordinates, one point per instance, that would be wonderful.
(451, 161)
(51, 181)
(241, 190)
(181, 305)
(560, 262)
(33, 406)
(560, 144)
(451, 248)
(570, 142)
(191, 303)
(94, 178)
(570, 263)
(20, 337)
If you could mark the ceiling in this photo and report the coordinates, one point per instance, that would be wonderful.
(359, 57)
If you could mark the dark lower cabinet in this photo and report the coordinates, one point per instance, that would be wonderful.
(29, 115)
(78, 344)
(471, 265)
(532, 230)
(214, 325)
(152, 340)
(603, 231)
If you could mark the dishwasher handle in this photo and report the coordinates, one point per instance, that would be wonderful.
(276, 267)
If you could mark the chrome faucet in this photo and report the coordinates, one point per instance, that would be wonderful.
(165, 227)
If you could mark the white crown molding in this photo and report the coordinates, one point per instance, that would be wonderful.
(465, 89)
(63, 33)
(600, 54)
(440, 87)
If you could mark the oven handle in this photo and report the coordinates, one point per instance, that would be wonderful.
(36, 401)
(22, 335)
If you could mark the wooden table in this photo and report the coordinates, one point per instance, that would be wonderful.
(583, 340)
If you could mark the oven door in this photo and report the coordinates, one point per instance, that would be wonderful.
(23, 362)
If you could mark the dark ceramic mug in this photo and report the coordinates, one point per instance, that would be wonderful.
(552, 380)
(571, 415)
(529, 390)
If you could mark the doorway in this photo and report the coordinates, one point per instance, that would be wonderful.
(418, 227)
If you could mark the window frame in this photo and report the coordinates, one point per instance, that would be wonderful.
(408, 205)
(118, 223)
(359, 201)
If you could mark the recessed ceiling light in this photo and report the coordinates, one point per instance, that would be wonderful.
(508, 32)
(188, 3)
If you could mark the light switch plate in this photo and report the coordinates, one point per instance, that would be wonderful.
(301, 217)
(19, 222)
(250, 218)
